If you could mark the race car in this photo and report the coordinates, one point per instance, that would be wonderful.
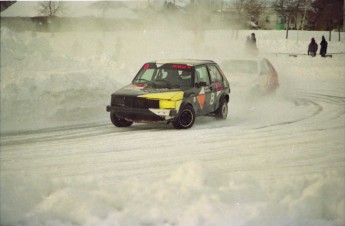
(175, 91)
(257, 75)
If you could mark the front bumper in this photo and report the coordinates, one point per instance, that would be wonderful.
(138, 115)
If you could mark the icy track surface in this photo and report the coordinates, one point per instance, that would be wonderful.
(276, 160)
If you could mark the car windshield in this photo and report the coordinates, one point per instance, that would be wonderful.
(165, 76)
(241, 66)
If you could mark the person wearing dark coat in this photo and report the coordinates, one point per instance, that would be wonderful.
(312, 48)
(323, 49)
(251, 47)
(253, 39)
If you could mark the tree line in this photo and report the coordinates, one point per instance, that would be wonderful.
(312, 14)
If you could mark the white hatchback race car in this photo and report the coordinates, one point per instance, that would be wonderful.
(255, 74)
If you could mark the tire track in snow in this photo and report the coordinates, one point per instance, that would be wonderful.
(329, 107)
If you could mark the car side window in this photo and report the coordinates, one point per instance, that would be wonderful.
(215, 74)
(201, 74)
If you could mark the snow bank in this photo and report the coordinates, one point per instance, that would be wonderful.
(42, 88)
(196, 193)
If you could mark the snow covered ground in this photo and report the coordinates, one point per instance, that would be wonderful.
(275, 161)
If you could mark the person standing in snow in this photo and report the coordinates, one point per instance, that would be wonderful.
(253, 41)
(251, 44)
(323, 49)
(312, 48)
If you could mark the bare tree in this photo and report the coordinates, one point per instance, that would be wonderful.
(326, 15)
(250, 10)
(288, 9)
(104, 6)
(51, 8)
(239, 5)
(306, 7)
(254, 8)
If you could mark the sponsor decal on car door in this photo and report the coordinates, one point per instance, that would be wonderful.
(205, 96)
(217, 85)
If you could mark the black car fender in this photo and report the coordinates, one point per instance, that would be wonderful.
(189, 98)
(223, 96)
(183, 104)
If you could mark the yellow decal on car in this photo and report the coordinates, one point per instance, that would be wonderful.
(178, 95)
(170, 104)
(167, 100)
(164, 104)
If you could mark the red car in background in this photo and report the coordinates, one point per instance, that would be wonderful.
(256, 74)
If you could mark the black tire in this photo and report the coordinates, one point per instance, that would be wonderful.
(185, 119)
(222, 111)
(119, 122)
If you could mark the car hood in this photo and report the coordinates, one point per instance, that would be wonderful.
(150, 92)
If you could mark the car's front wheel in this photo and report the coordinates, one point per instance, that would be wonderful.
(222, 111)
(186, 118)
(119, 122)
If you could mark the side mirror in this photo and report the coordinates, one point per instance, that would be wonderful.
(200, 84)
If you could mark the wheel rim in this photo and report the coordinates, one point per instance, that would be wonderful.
(186, 118)
(224, 110)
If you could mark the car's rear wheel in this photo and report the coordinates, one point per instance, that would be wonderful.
(118, 122)
(186, 118)
(222, 111)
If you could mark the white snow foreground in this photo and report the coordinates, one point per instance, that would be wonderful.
(196, 193)
(275, 161)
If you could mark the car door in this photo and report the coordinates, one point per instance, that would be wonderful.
(216, 87)
(205, 89)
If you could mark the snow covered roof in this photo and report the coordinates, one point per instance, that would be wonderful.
(21, 9)
(72, 9)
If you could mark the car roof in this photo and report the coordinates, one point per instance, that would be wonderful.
(190, 62)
